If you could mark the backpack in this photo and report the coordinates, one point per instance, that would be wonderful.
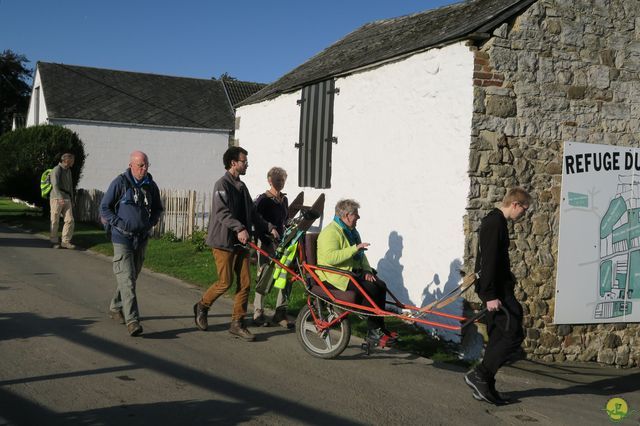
(45, 183)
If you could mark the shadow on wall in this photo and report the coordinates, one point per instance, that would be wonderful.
(390, 269)
(436, 290)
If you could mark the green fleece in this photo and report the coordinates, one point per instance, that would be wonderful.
(334, 250)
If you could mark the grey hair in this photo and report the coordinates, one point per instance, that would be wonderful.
(67, 156)
(346, 206)
(276, 171)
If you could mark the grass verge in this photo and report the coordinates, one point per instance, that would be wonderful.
(191, 261)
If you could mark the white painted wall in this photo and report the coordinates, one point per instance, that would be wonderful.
(403, 145)
(42, 109)
(179, 158)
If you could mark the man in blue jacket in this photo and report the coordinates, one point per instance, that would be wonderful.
(130, 208)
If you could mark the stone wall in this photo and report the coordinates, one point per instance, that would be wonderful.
(563, 70)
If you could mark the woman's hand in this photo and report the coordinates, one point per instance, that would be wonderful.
(362, 246)
(369, 277)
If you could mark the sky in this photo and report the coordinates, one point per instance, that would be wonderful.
(252, 40)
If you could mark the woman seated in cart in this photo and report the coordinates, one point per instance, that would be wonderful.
(340, 247)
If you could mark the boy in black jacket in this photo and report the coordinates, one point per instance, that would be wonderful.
(495, 288)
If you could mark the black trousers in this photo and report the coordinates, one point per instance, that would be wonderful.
(377, 290)
(504, 339)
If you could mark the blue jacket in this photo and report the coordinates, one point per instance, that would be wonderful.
(131, 209)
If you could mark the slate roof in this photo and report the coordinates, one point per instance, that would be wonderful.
(84, 93)
(238, 91)
(389, 38)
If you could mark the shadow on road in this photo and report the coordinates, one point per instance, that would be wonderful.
(25, 242)
(250, 402)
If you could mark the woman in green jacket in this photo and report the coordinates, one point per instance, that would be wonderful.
(340, 246)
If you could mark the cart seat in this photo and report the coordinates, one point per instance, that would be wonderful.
(311, 245)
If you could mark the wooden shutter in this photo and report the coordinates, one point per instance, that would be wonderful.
(316, 135)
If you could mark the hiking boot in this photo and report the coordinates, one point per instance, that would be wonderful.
(134, 328)
(238, 329)
(68, 246)
(200, 313)
(481, 387)
(501, 398)
(259, 319)
(280, 318)
(117, 315)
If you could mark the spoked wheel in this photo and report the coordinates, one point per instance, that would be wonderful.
(328, 343)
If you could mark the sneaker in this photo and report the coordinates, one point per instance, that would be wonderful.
(117, 315)
(481, 387)
(280, 318)
(238, 329)
(259, 319)
(55, 245)
(200, 313)
(134, 328)
(68, 246)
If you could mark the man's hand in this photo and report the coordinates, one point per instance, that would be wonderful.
(243, 237)
(274, 233)
(494, 305)
(362, 246)
(369, 277)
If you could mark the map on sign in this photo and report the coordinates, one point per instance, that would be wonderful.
(598, 278)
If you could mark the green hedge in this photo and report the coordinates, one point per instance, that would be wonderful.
(26, 153)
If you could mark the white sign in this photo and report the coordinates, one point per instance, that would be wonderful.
(598, 277)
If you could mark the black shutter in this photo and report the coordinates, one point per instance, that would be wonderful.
(316, 135)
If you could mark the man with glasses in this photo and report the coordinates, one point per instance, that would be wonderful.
(232, 217)
(130, 208)
(495, 287)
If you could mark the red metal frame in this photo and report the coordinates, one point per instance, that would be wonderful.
(373, 309)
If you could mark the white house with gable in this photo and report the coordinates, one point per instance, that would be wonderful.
(183, 124)
(383, 116)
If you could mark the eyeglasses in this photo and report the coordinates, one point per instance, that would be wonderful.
(142, 165)
(242, 161)
(525, 208)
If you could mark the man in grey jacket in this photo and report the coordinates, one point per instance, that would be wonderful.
(61, 202)
(232, 216)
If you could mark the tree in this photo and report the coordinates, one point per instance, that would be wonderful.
(26, 153)
(15, 87)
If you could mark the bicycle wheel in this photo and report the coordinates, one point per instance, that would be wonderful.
(328, 343)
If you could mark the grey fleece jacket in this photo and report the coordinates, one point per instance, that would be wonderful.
(61, 183)
(232, 210)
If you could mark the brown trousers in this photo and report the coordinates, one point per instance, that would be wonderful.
(228, 262)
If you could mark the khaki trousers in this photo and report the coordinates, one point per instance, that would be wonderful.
(64, 209)
(228, 262)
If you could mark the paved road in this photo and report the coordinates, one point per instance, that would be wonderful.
(63, 361)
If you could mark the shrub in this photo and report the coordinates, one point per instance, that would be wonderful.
(170, 237)
(199, 239)
(26, 153)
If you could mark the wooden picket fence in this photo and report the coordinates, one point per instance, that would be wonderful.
(185, 211)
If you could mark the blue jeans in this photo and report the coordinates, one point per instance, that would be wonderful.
(127, 264)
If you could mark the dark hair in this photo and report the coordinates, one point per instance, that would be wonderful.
(232, 154)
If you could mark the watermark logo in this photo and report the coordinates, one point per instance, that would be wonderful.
(617, 409)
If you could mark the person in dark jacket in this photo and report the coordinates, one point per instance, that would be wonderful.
(495, 287)
(273, 206)
(130, 208)
(230, 224)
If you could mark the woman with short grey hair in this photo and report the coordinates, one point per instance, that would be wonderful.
(340, 247)
(346, 206)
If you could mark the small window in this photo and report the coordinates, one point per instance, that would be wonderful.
(316, 135)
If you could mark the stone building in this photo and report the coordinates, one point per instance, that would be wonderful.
(429, 118)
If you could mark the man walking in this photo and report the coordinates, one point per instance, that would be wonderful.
(495, 288)
(61, 202)
(232, 216)
(130, 208)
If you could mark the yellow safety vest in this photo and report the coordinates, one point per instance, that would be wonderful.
(279, 273)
